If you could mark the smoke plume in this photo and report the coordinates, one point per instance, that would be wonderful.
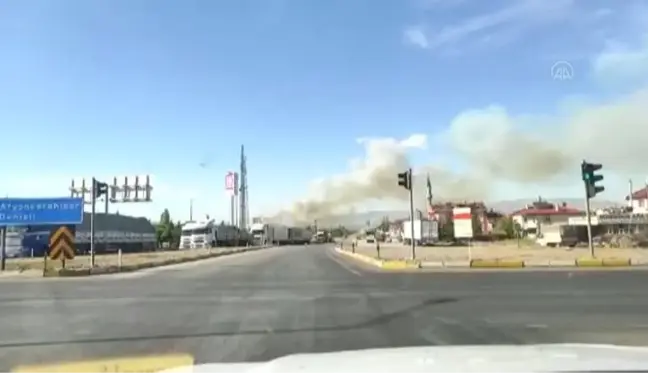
(494, 146)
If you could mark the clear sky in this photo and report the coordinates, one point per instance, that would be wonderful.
(125, 87)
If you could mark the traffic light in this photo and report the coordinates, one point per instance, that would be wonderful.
(405, 179)
(99, 188)
(590, 178)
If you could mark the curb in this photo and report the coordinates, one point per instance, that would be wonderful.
(380, 263)
(493, 263)
(81, 272)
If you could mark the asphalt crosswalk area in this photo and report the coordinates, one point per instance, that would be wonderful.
(262, 305)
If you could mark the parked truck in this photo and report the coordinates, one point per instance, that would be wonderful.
(269, 234)
(322, 237)
(299, 236)
(206, 234)
(426, 232)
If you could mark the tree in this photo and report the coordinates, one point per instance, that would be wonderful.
(164, 229)
(507, 226)
(176, 232)
(384, 224)
(476, 225)
(446, 231)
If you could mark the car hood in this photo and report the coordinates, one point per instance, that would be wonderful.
(490, 358)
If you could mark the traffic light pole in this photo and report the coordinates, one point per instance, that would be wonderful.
(411, 201)
(590, 241)
(92, 222)
(591, 190)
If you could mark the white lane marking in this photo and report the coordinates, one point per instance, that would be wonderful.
(344, 265)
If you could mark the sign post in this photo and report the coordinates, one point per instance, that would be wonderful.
(38, 211)
(3, 260)
(463, 227)
(61, 243)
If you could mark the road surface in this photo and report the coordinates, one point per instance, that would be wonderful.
(261, 305)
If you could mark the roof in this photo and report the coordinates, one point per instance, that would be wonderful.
(639, 194)
(115, 222)
(563, 210)
(197, 224)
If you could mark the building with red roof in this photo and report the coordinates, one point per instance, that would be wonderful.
(540, 213)
(639, 200)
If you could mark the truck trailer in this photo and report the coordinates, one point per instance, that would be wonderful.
(299, 236)
(206, 234)
(426, 232)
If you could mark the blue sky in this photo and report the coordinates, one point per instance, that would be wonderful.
(128, 87)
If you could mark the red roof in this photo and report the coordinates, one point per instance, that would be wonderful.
(639, 194)
(548, 212)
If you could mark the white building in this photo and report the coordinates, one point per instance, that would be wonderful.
(639, 201)
(533, 217)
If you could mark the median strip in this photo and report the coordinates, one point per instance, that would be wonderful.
(109, 264)
(395, 264)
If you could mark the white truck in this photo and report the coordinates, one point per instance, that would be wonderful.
(269, 234)
(197, 235)
(426, 232)
(205, 234)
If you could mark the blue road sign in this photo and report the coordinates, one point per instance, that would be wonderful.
(37, 211)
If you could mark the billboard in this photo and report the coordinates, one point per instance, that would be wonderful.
(231, 183)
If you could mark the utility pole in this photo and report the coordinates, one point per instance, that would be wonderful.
(191, 209)
(243, 212)
(631, 209)
(233, 209)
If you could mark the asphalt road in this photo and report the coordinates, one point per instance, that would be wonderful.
(261, 305)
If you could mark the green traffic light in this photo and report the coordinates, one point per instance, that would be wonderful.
(591, 179)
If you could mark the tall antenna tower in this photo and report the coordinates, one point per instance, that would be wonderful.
(243, 193)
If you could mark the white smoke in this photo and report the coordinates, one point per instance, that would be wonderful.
(496, 147)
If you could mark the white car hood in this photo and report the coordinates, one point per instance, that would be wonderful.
(489, 358)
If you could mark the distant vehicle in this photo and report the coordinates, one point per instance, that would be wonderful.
(370, 236)
(299, 236)
(322, 237)
(269, 233)
(426, 232)
(206, 234)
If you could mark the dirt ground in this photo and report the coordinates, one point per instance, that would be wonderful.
(493, 251)
(22, 264)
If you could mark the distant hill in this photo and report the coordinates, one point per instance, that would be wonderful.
(359, 220)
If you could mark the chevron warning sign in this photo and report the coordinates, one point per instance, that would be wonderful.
(61, 242)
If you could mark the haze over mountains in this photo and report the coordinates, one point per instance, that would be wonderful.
(359, 219)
